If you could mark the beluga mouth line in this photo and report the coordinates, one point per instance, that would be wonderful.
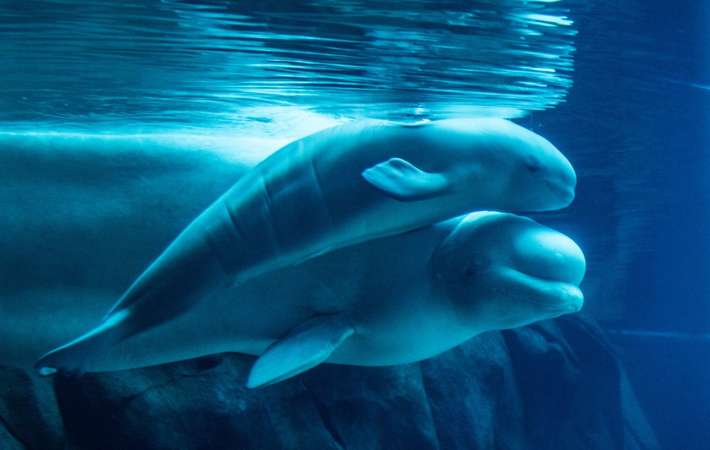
(336, 188)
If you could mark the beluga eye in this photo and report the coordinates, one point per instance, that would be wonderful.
(533, 165)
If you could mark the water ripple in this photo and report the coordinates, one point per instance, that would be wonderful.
(215, 63)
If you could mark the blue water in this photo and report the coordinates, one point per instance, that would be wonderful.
(622, 87)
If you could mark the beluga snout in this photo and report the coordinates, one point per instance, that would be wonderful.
(550, 267)
(562, 181)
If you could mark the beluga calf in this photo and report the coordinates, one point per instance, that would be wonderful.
(336, 188)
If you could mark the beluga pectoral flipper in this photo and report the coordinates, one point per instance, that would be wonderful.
(303, 348)
(401, 180)
(319, 194)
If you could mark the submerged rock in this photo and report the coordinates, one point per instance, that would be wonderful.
(551, 385)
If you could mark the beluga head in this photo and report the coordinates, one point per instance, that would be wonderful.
(502, 271)
(512, 167)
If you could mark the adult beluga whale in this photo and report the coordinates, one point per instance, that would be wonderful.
(333, 189)
(389, 301)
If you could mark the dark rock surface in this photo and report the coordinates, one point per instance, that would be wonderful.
(552, 385)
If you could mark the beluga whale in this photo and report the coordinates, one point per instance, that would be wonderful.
(389, 301)
(333, 189)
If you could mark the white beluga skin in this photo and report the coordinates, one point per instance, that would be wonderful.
(336, 188)
(389, 301)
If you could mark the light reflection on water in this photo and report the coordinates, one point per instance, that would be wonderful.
(214, 63)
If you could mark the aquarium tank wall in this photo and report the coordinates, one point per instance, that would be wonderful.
(354, 224)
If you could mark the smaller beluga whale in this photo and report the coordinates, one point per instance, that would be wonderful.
(337, 188)
(389, 301)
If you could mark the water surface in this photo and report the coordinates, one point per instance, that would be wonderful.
(203, 64)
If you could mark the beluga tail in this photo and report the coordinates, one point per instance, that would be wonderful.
(336, 188)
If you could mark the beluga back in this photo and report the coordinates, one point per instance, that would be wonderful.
(336, 188)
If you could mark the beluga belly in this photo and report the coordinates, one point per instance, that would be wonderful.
(336, 188)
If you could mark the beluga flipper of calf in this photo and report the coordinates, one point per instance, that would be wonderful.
(336, 188)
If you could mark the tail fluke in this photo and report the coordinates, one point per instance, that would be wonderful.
(77, 355)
